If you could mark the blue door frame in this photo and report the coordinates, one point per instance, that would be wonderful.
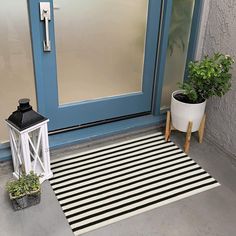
(77, 114)
(155, 118)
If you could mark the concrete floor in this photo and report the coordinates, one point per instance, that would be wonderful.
(209, 213)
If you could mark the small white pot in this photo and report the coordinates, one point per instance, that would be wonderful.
(182, 113)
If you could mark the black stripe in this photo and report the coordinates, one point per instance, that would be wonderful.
(136, 208)
(120, 181)
(108, 155)
(133, 161)
(105, 148)
(108, 158)
(112, 172)
(129, 190)
(120, 175)
(143, 206)
(125, 158)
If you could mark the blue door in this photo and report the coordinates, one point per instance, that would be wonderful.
(94, 59)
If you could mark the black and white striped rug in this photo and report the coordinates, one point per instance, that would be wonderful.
(107, 184)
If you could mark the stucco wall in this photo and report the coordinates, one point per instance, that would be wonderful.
(218, 33)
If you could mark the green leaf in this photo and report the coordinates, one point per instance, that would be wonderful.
(208, 77)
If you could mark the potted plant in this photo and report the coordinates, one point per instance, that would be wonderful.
(206, 78)
(25, 191)
(16, 190)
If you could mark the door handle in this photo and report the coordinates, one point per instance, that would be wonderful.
(45, 16)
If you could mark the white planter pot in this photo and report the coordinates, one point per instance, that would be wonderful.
(182, 113)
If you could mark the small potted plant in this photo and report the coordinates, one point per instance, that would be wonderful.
(17, 194)
(25, 191)
(206, 78)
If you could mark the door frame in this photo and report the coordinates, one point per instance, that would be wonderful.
(85, 112)
(157, 116)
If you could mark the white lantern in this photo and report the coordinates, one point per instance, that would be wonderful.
(29, 141)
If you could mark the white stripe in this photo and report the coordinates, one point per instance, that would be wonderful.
(148, 208)
(104, 184)
(99, 160)
(128, 157)
(111, 173)
(129, 199)
(122, 175)
(108, 146)
(96, 198)
(117, 185)
(112, 152)
(110, 182)
(99, 217)
(99, 156)
(92, 171)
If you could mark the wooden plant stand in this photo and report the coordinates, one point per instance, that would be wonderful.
(170, 127)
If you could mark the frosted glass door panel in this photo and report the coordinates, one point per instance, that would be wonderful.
(179, 34)
(100, 46)
(16, 63)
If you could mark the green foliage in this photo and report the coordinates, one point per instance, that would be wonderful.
(24, 185)
(32, 182)
(208, 77)
(16, 188)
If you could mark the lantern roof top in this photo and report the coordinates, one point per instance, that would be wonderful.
(25, 117)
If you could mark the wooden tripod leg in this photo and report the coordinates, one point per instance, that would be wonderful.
(168, 126)
(188, 137)
(201, 129)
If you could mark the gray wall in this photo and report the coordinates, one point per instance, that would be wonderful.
(218, 33)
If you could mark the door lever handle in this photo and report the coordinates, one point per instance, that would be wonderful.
(46, 17)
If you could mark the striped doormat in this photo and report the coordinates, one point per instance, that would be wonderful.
(107, 184)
